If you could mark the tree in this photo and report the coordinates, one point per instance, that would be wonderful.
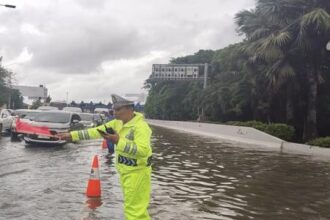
(278, 73)
(36, 104)
(4, 90)
(16, 100)
(48, 100)
(284, 33)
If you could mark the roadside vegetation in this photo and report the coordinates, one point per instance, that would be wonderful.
(279, 73)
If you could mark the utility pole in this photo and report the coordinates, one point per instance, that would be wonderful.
(10, 90)
(67, 98)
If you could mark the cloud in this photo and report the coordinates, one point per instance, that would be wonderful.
(108, 46)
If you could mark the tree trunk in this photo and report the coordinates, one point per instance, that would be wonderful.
(310, 127)
(289, 105)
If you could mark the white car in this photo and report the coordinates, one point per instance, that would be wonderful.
(25, 115)
(6, 119)
(47, 108)
(101, 110)
(72, 109)
(56, 121)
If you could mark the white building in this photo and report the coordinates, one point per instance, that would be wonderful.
(32, 92)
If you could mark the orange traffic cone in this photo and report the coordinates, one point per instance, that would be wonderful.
(104, 144)
(94, 183)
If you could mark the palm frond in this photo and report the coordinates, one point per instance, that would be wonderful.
(279, 73)
(316, 21)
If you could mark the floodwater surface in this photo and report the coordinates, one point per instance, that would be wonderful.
(193, 178)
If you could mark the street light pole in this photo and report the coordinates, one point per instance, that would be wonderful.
(8, 6)
(202, 116)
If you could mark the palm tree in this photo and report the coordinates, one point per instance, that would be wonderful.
(280, 31)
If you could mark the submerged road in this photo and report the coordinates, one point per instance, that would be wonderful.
(194, 178)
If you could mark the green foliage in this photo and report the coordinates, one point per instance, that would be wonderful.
(279, 73)
(16, 100)
(321, 142)
(36, 104)
(282, 131)
(4, 91)
(173, 101)
(202, 56)
(48, 100)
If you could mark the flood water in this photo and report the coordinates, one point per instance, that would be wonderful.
(194, 178)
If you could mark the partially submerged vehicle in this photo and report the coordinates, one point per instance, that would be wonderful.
(6, 119)
(72, 109)
(57, 122)
(25, 115)
(47, 108)
(88, 120)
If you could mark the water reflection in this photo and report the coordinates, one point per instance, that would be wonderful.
(193, 178)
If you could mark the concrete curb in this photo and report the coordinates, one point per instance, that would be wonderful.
(245, 135)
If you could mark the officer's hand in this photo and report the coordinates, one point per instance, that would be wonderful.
(114, 138)
(64, 136)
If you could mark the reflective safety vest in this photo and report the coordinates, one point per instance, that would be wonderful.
(133, 150)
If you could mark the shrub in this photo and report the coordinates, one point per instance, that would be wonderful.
(282, 131)
(321, 142)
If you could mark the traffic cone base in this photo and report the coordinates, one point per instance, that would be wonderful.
(94, 183)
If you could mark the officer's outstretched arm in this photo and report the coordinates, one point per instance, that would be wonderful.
(90, 133)
(139, 146)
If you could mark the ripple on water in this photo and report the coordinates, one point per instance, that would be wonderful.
(193, 178)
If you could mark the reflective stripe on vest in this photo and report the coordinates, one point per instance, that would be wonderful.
(127, 161)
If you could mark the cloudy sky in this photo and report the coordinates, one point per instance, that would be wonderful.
(91, 49)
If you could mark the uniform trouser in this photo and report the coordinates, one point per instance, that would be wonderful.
(136, 186)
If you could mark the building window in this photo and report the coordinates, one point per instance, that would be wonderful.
(182, 70)
(163, 69)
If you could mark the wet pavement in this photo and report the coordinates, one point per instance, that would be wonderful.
(194, 178)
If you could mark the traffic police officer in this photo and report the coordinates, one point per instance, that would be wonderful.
(132, 152)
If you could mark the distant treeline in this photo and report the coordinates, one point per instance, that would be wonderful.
(8, 96)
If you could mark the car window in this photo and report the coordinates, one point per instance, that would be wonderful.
(72, 109)
(86, 117)
(52, 117)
